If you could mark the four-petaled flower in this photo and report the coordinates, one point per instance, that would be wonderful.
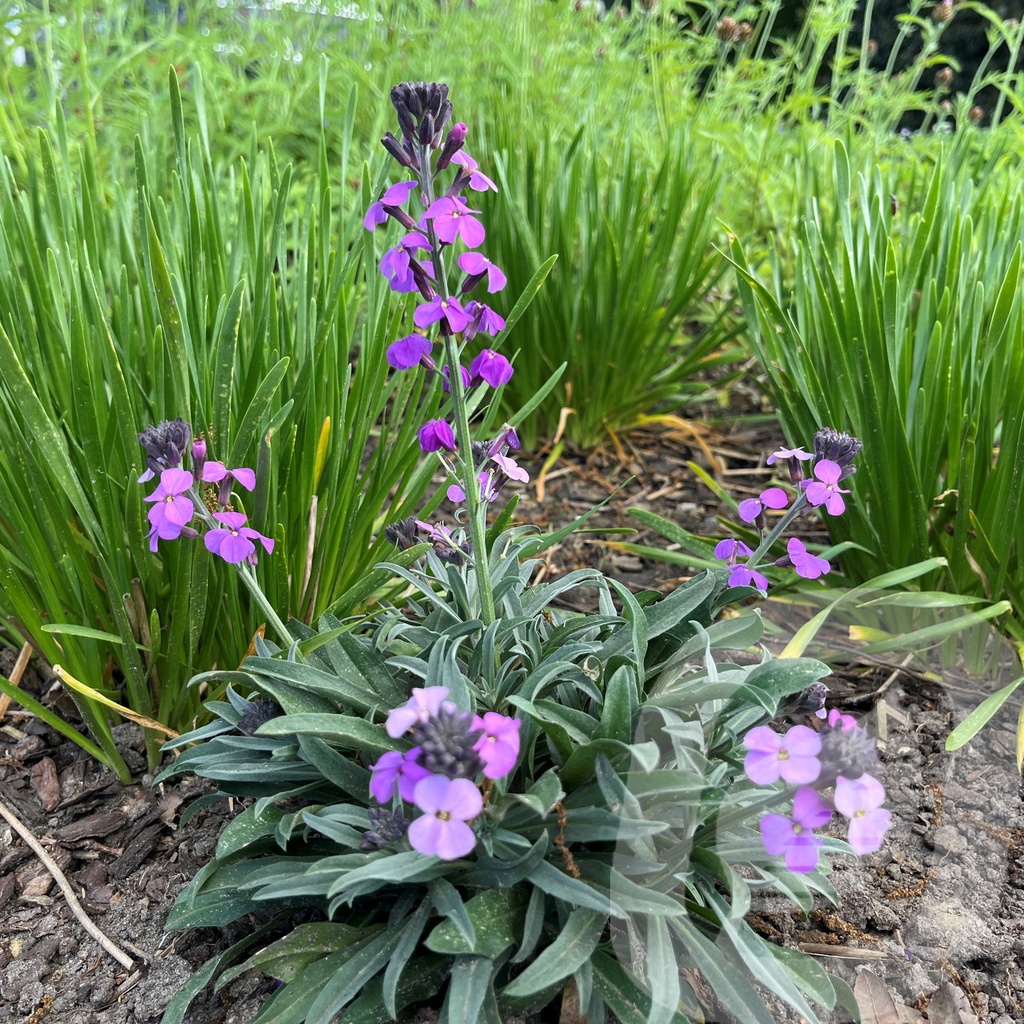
(478, 181)
(795, 838)
(396, 195)
(435, 435)
(408, 351)
(453, 219)
(825, 490)
(789, 453)
(861, 801)
(215, 472)
(234, 540)
(439, 308)
(484, 318)
(447, 804)
(171, 511)
(752, 508)
(499, 746)
(744, 576)
(806, 564)
(395, 770)
(490, 367)
(793, 757)
(730, 549)
(477, 266)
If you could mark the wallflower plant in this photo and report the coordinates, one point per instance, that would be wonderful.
(482, 801)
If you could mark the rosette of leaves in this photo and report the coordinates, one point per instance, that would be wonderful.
(612, 867)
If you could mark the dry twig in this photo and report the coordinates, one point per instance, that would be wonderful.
(65, 887)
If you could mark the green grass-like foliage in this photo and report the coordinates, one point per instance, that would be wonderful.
(905, 327)
(623, 846)
(224, 296)
(636, 266)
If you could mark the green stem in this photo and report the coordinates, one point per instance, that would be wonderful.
(776, 531)
(245, 574)
(476, 505)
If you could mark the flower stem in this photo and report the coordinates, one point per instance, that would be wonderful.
(246, 574)
(477, 506)
(777, 530)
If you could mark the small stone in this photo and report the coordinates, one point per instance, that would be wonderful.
(948, 839)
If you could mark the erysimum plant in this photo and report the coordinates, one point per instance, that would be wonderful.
(484, 801)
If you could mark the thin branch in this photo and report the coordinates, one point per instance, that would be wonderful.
(65, 887)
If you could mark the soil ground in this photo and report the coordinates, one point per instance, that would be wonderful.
(930, 928)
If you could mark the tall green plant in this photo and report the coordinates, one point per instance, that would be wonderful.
(223, 299)
(906, 326)
(633, 280)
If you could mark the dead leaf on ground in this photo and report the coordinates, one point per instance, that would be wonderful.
(876, 1004)
(948, 1005)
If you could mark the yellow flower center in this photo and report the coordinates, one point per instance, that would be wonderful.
(443, 816)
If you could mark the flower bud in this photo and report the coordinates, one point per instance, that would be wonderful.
(976, 115)
(744, 32)
(942, 13)
(452, 144)
(944, 78)
(837, 447)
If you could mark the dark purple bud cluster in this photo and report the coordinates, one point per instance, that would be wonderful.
(385, 827)
(423, 110)
(839, 448)
(165, 445)
(447, 742)
(258, 712)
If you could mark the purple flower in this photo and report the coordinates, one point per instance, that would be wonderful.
(408, 351)
(861, 801)
(484, 318)
(418, 240)
(447, 805)
(499, 746)
(789, 453)
(794, 837)
(477, 265)
(825, 490)
(435, 435)
(452, 219)
(478, 181)
(837, 720)
(441, 309)
(396, 195)
(491, 367)
(510, 468)
(753, 508)
(214, 472)
(742, 576)
(171, 510)
(375, 216)
(234, 541)
(394, 265)
(730, 549)
(424, 702)
(792, 757)
(445, 386)
(396, 770)
(808, 565)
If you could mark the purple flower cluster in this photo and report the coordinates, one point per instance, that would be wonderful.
(179, 499)
(831, 462)
(437, 775)
(836, 758)
(445, 220)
